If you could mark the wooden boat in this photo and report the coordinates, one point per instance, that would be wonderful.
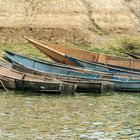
(97, 66)
(44, 65)
(100, 67)
(53, 54)
(120, 83)
(15, 80)
(56, 52)
(134, 55)
(82, 84)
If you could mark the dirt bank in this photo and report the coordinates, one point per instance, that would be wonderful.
(75, 21)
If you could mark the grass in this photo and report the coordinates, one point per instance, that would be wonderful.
(24, 49)
(112, 46)
(132, 44)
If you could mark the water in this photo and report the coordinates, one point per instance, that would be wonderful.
(40, 117)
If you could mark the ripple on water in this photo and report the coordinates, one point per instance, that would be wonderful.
(65, 130)
(93, 135)
(71, 117)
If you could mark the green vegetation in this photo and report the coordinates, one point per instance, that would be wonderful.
(25, 49)
(131, 44)
(112, 46)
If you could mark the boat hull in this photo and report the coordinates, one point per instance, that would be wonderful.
(103, 68)
(127, 86)
(15, 80)
(84, 55)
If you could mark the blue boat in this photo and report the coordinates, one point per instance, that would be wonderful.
(120, 83)
(44, 65)
(102, 67)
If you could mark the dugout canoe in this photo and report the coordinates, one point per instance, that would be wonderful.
(55, 52)
(14, 80)
(46, 66)
(109, 68)
(120, 83)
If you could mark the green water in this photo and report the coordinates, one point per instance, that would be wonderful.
(40, 117)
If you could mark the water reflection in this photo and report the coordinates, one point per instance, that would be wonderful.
(39, 116)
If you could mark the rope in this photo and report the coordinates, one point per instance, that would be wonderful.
(3, 85)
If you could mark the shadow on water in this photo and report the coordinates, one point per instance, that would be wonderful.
(128, 93)
(30, 93)
(95, 94)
